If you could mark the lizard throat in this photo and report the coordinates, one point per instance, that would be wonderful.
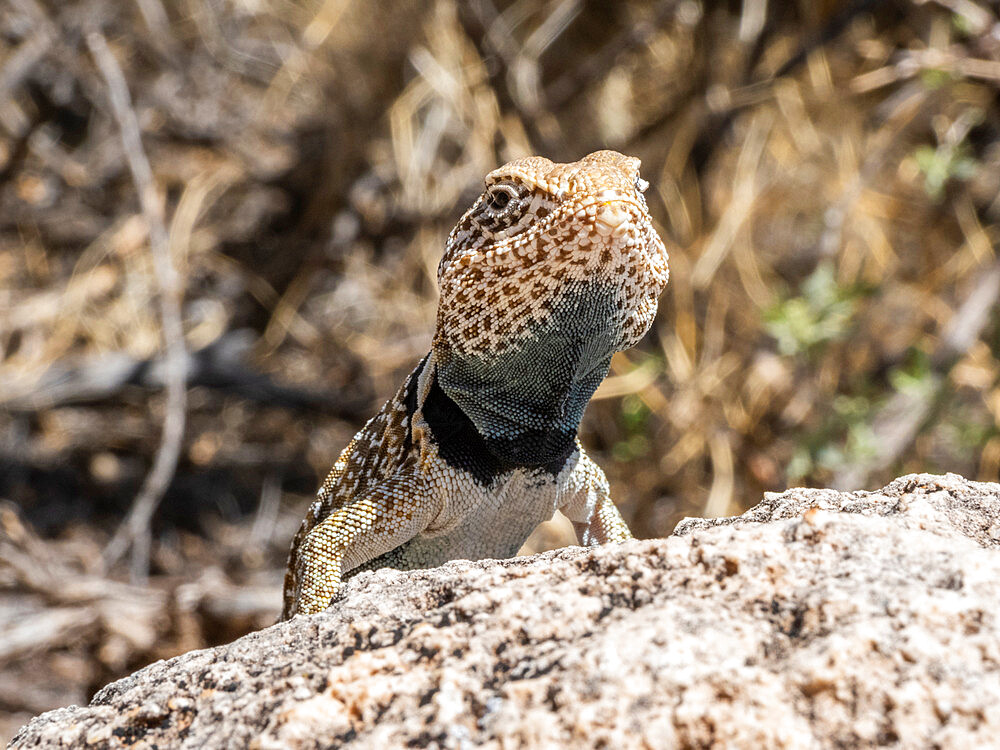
(526, 404)
(461, 445)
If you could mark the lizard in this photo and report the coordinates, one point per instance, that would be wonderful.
(554, 268)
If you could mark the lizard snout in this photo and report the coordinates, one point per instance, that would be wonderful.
(612, 219)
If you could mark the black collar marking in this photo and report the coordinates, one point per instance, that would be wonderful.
(461, 446)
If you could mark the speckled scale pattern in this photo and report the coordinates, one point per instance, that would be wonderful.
(553, 269)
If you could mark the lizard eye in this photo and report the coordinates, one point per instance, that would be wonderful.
(501, 209)
(498, 197)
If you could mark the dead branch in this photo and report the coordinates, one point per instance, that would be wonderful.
(219, 366)
(134, 531)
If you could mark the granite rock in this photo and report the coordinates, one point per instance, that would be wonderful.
(815, 619)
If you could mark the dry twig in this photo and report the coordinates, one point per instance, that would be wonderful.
(134, 531)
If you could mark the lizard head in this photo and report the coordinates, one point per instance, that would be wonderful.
(541, 234)
(553, 269)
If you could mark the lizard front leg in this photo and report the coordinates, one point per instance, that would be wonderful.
(605, 525)
(588, 505)
(390, 514)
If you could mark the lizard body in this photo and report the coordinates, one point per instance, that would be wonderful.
(553, 269)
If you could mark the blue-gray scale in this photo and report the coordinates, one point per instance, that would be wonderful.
(527, 404)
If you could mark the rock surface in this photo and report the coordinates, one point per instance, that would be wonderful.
(816, 619)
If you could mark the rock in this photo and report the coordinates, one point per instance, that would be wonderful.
(816, 619)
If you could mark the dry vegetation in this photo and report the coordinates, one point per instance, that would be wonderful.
(826, 173)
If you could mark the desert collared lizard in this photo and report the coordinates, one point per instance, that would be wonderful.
(553, 269)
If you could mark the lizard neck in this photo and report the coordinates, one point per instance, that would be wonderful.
(461, 445)
(526, 403)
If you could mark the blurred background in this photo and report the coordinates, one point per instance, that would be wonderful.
(178, 374)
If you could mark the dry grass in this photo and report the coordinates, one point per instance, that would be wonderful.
(827, 174)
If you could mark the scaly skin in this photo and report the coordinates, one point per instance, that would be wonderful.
(553, 269)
